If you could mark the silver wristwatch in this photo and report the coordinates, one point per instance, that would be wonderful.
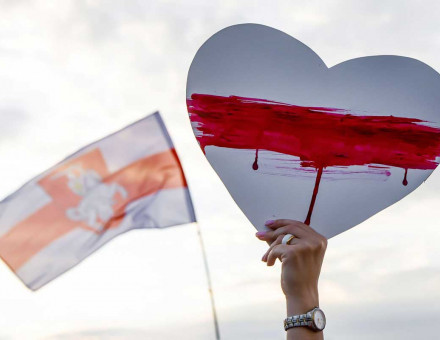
(314, 319)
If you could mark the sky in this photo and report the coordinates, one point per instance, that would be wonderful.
(72, 72)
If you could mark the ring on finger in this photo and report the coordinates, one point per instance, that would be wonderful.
(287, 238)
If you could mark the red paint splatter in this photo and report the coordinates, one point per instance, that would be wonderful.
(320, 137)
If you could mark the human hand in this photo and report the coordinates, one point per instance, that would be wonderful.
(301, 261)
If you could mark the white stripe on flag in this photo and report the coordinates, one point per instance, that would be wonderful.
(17, 209)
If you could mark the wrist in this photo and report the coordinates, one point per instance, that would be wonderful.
(302, 302)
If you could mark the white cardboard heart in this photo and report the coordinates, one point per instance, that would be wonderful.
(256, 61)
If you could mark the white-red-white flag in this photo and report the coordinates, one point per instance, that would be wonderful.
(130, 179)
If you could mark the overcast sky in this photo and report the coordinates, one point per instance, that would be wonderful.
(73, 71)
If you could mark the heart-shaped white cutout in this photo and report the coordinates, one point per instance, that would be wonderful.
(291, 138)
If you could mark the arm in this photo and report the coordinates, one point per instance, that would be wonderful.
(301, 265)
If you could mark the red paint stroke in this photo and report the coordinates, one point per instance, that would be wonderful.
(320, 137)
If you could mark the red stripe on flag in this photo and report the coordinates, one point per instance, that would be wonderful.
(146, 177)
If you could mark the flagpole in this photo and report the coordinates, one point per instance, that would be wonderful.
(208, 277)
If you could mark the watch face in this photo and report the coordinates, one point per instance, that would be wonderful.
(319, 319)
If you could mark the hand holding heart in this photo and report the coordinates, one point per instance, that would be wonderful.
(301, 265)
(301, 258)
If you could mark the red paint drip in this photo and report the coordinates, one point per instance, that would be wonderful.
(405, 180)
(315, 194)
(255, 165)
(320, 137)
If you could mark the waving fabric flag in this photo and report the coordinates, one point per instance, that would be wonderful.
(130, 179)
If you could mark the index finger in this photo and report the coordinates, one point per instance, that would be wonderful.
(275, 224)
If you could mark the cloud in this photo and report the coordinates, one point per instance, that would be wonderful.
(383, 321)
(12, 121)
(104, 334)
(173, 331)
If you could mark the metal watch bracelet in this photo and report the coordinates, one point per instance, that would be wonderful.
(302, 320)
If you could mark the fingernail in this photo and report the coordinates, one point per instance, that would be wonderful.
(260, 234)
(269, 222)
